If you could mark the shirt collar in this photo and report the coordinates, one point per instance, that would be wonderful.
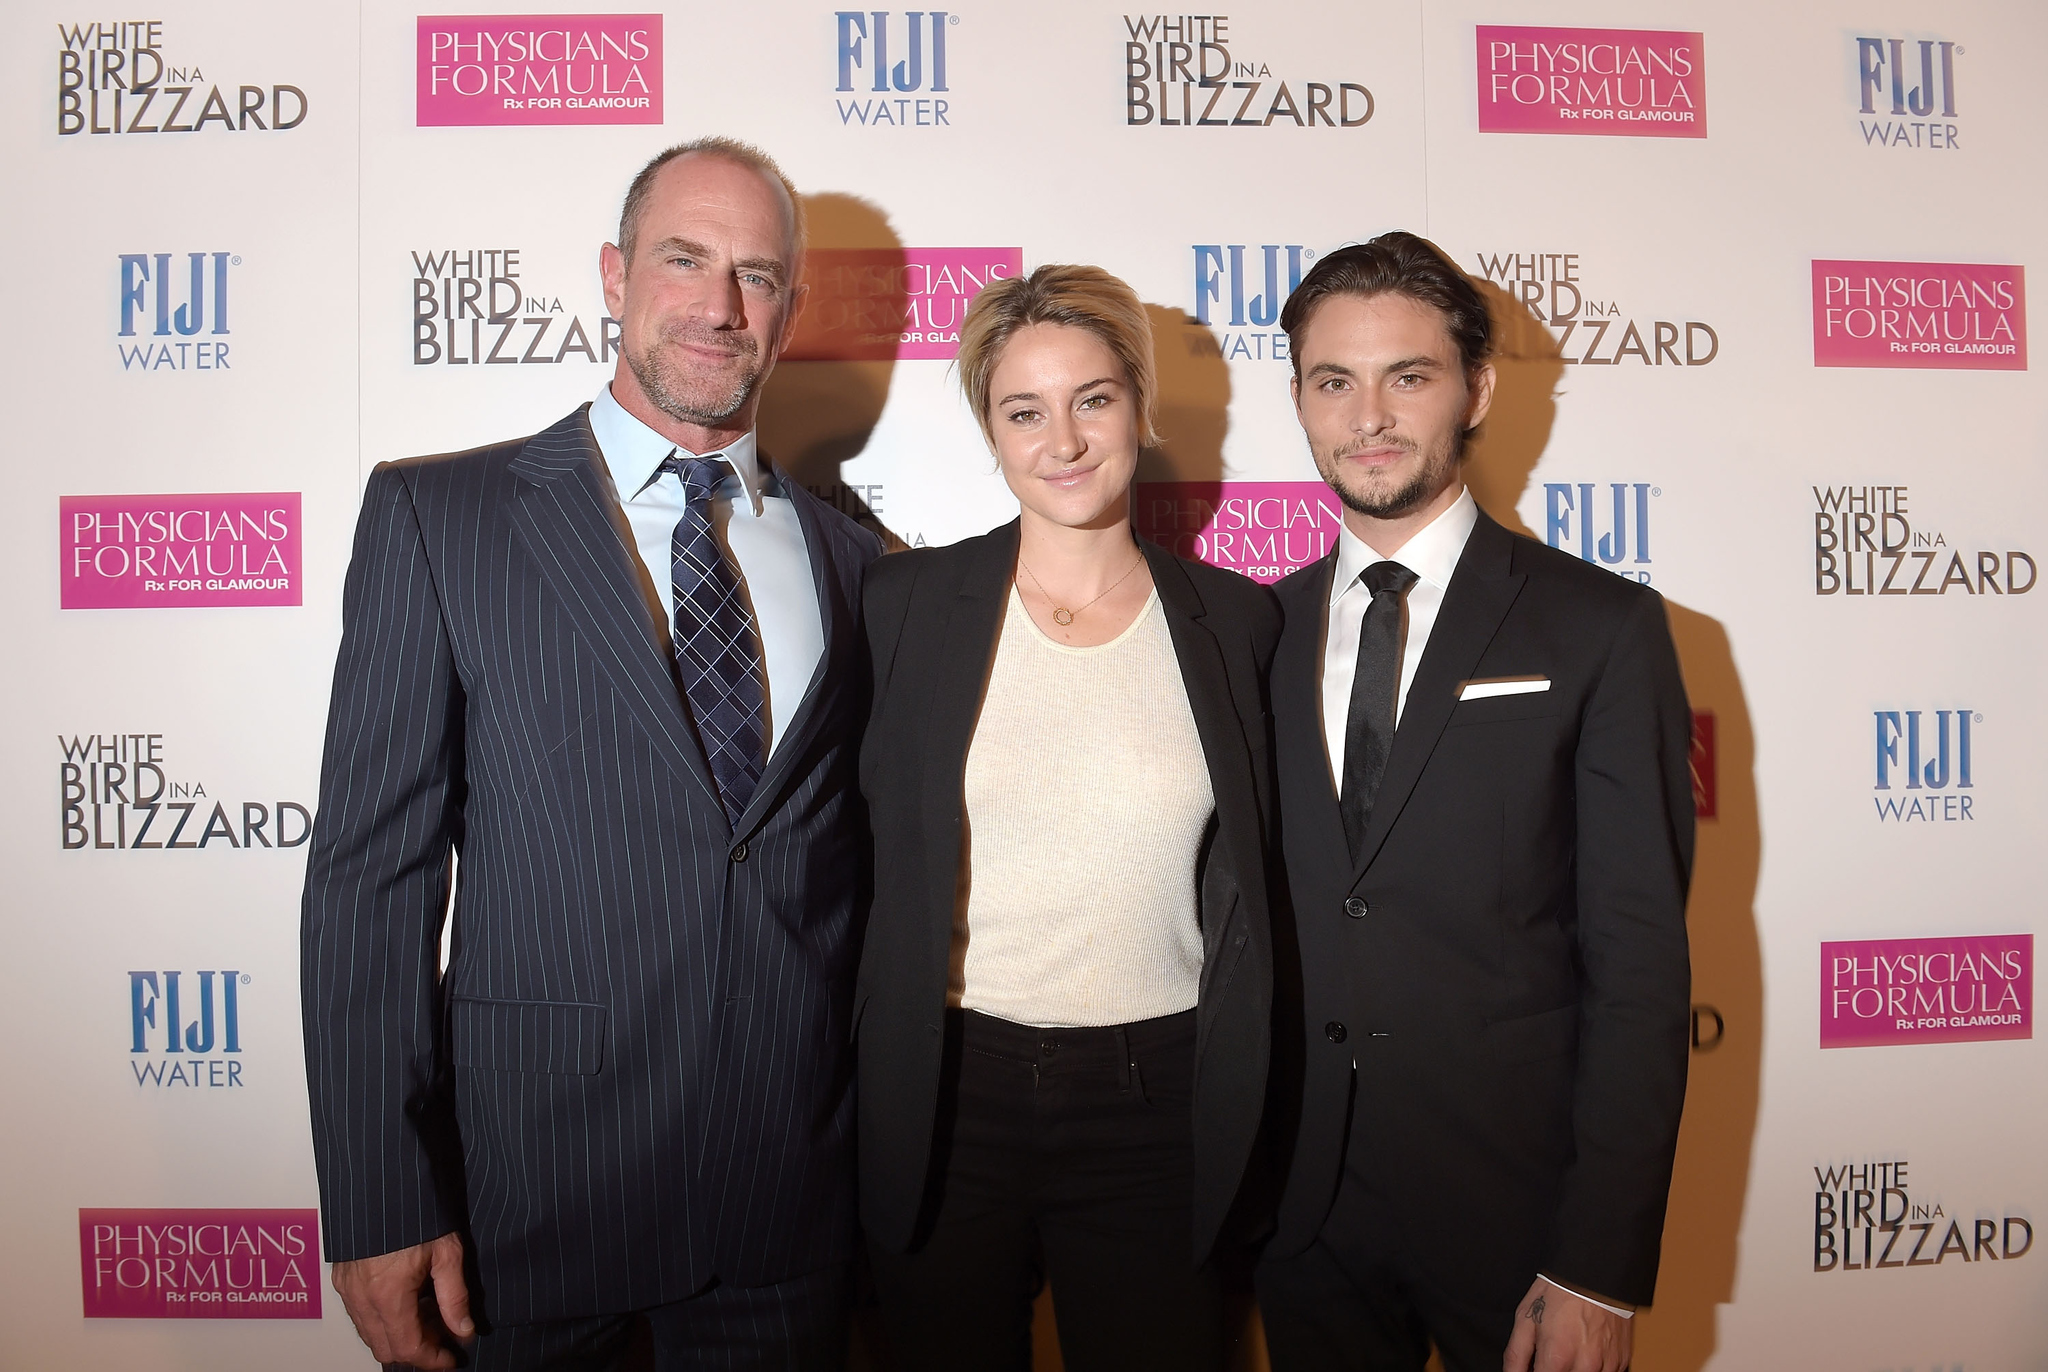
(634, 452)
(1432, 554)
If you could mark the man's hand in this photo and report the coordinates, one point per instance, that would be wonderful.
(387, 1297)
(1555, 1331)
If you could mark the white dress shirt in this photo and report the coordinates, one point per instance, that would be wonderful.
(751, 519)
(1432, 554)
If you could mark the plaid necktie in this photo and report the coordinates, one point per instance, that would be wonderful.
(718, 652)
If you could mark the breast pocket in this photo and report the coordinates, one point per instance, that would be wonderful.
(527, 1036)
(1495, 709)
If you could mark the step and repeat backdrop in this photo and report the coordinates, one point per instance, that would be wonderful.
(1761, 275)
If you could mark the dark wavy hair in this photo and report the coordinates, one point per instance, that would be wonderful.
(1396, 263)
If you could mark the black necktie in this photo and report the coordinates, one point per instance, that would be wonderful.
(1369, 728)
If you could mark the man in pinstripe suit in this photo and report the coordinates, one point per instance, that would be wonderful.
(616, 667)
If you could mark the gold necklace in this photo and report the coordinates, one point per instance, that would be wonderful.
(1064, 617)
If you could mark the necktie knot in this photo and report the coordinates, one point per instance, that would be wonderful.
(700, 475)
(1383, 577)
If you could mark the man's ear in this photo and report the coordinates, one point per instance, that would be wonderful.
(798, 298)
(1480, 382)
(611, 269)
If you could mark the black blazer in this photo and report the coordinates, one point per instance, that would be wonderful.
(1507, 966)
(933, 620)
(633, 1077)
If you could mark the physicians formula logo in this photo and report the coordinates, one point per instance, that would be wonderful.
(200, 1264)
(892, 304)
(1261, 529)
(1885, 992)
(153, 552)
(1639, 83)
(1946, 315)
(539, 69)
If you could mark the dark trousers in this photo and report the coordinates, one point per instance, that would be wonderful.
(1361, 1299)
(794, 1326)
(1062, 1156)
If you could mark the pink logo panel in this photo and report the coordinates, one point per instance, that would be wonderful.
(892, 304)
(477, 69)
(1640, 83)
(150, 552)
(1263, 529)
(200, 1264)
(1879, 992)
(1945, 315)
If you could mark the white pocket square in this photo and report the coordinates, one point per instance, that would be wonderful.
(1479, 688)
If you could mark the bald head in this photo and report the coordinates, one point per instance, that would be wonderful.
(712, 158)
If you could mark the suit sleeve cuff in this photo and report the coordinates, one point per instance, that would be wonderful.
(1610, 1309)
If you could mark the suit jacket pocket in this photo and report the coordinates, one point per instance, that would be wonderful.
(1532, 1038)
(1487, 709)
(527, 1036)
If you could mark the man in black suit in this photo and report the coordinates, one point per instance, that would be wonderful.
(1484, 794)
(617, 668)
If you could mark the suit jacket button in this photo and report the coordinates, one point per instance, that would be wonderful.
(1356, 907)
(1334, 1032)
(739, 854)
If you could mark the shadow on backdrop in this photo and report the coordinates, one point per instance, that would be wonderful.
(822, 402)
(1711, 1178)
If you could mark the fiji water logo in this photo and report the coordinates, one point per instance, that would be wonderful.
(1239, 291)
(1607, 527)
(176, 310)
(897, 65)
(1913, 81)
(185, 1028)
(1923, 765)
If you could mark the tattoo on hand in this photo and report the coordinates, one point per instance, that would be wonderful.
(1536, 1308)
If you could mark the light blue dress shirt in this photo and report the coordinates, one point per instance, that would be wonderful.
(753, 521)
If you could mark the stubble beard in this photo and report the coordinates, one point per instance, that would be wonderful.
(686, 399)
(1430, 477)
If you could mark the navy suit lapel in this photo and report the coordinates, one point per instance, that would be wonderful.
(1478, 598)
(563, 515)
(840, 624)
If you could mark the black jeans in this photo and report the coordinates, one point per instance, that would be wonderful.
(1064, 1156)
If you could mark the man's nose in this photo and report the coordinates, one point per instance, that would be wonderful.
(1370, 414)
(723, 305)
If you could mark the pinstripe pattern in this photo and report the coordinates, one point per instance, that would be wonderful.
(635, 1078)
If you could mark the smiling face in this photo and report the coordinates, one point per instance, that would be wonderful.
(1386, 401)
(707, 301)
(1065, 426)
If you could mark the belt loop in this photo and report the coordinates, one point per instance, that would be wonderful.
(1123, 1053)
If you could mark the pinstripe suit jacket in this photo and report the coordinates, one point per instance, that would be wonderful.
(634, 1076)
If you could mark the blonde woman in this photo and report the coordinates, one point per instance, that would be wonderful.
(1062, 1015)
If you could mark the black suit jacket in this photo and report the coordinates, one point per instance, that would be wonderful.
(1515, 987)
(633, 1076)
(934, 617)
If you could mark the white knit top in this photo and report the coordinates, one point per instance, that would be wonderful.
(1087, 798)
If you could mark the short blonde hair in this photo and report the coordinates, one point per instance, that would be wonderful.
(1077, 297)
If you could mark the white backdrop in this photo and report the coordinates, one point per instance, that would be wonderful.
(1702, 235)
